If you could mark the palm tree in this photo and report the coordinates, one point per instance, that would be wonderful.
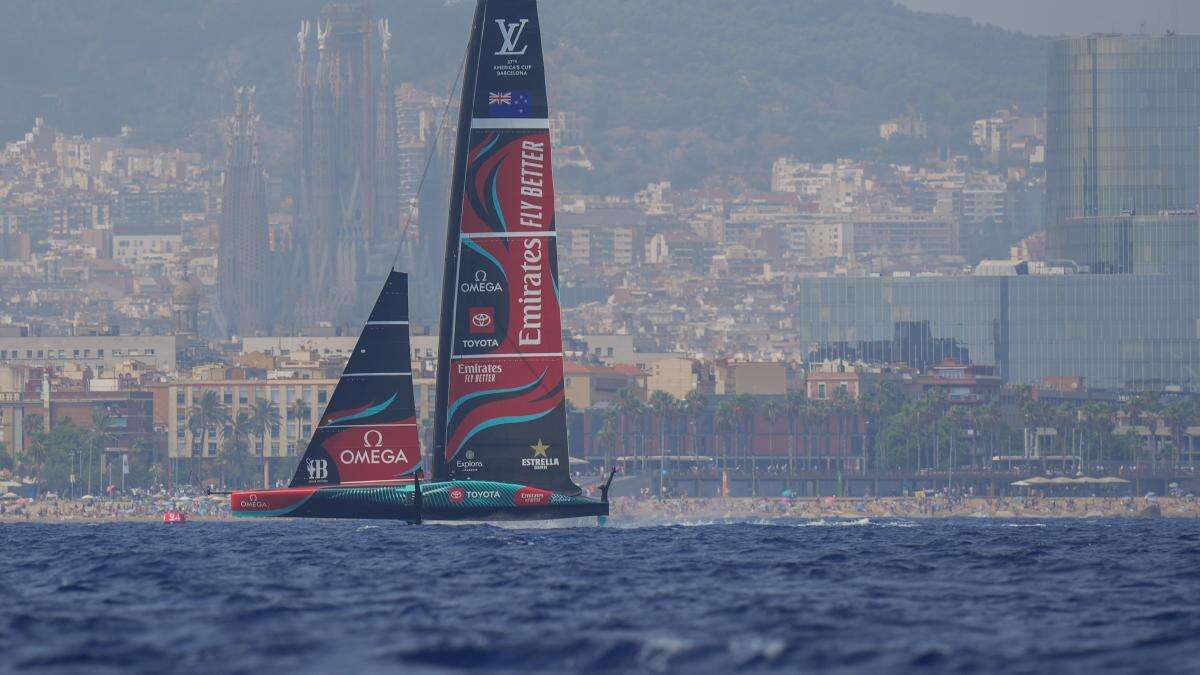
(746, 407)
(984, 420)
(694, 405)
(206, 412)
(28, 463)
(629, 405)
(1036, 415)
(1097, 422)
(794, 405)
(1178, 416)
(771, 411)
(1143, 408)
(144, 450)
(234, 446)
(663, 405)
(300, 410)
(1065, 419)
(604, 437)
(725, 418)
(100, 434)
(816, 418)
(264, 421)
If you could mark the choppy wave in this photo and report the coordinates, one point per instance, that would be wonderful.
(821, 522)
(854, 595)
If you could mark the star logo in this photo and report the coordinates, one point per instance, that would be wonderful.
(539, 450)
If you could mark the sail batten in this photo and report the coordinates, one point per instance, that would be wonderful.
(500, 367)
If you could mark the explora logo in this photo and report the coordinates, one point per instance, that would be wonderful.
(318, 469)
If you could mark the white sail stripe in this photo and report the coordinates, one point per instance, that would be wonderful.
(406, 373)
(365, 426)
(530, 123)
(387, 323)
(505, 235)
(506, 356)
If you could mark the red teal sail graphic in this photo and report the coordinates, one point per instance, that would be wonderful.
(501, 404)
(368, 430)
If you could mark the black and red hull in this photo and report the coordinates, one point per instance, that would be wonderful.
(444, 501)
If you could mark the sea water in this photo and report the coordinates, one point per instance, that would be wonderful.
(832, 595)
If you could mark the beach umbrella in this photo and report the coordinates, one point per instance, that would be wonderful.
(9, 495)
(575, 461)
(1111, 480)
(1061, 480)
(1020, 483)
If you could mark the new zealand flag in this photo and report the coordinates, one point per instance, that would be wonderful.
(510, 103)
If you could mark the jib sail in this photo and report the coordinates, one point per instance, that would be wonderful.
(368, 430)
(501, 406)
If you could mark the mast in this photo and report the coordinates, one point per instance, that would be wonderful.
(461, 147)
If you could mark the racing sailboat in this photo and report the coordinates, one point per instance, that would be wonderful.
(500, 450)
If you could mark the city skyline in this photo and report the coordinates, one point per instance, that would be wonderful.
(837, 335)
(965, 256)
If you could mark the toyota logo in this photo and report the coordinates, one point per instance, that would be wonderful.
(482, 320)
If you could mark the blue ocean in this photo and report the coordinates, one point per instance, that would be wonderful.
(830, 596)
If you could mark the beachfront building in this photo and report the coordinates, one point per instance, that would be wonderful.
(236, 396)
(423, 347)
(590, 384)
(758, 378)
(102, 353)
(299, 403)
(824, 381)
(1115, 331)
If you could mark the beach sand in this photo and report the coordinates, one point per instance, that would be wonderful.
(669, 510)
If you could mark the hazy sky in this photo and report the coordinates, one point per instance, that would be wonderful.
(1074, 17)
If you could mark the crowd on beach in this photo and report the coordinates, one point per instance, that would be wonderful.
(151, 505)
(134, 505)
(906, 507)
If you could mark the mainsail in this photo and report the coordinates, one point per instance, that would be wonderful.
(501, 412)
(368, 430)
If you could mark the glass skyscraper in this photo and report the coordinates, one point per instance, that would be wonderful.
(1123, 155)
(1122, 331)
(1123, 179)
